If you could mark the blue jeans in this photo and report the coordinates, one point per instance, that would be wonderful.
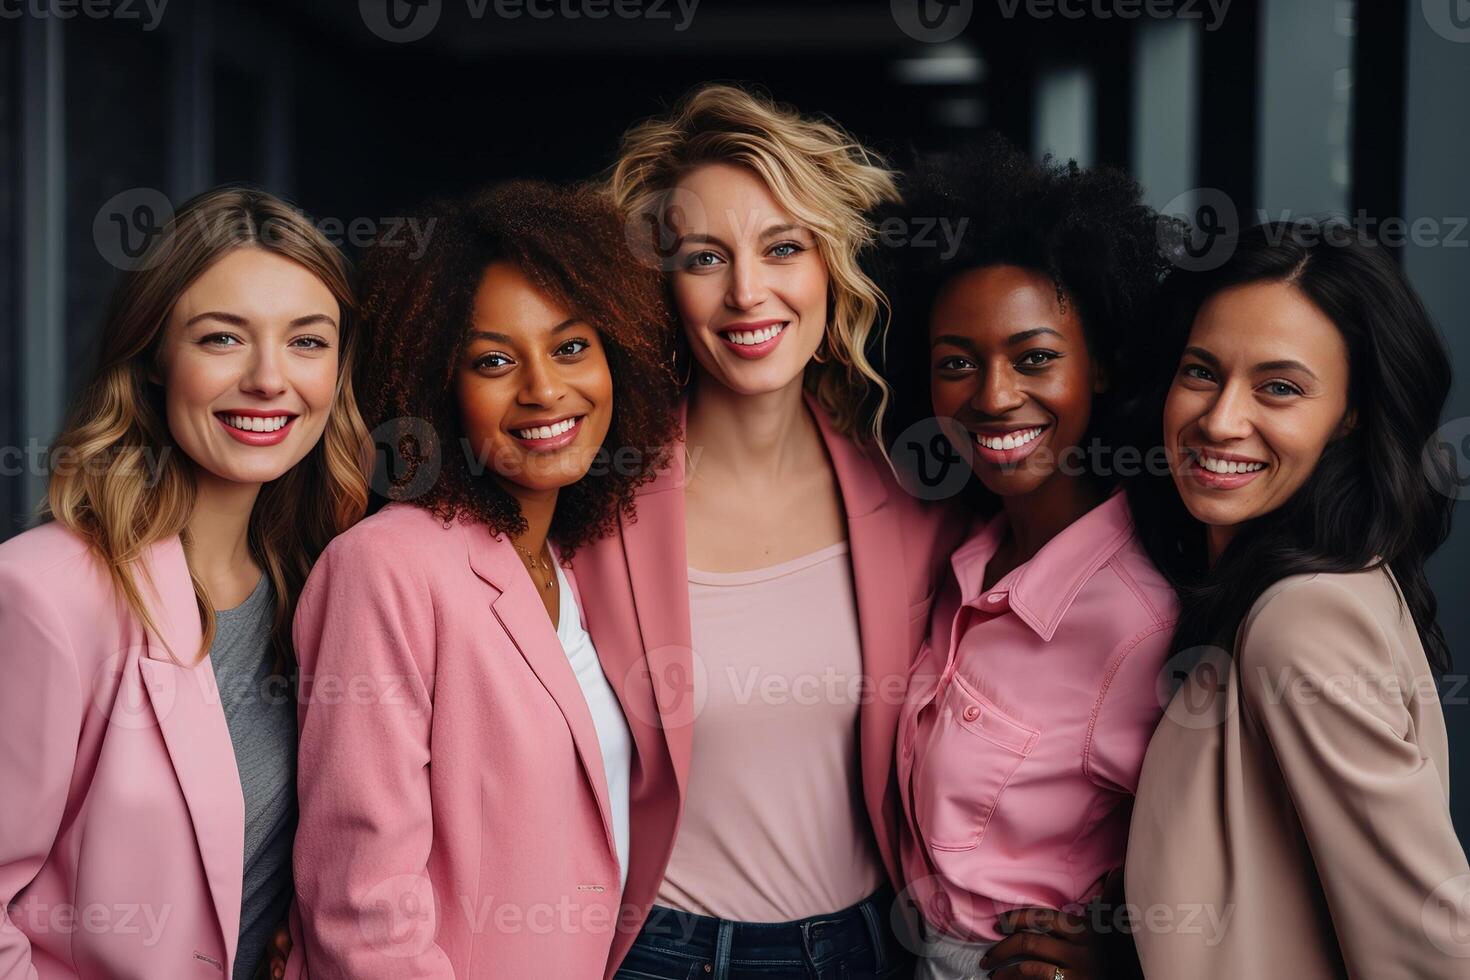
(856, 943)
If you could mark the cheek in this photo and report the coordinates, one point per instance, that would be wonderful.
(695, 299)
(480, 408)
(1180, 408)
(316, 381)
(948, 396)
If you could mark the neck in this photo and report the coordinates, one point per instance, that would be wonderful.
(746, 438)
(1217, 539)
(1037, 517)
(537, 507)
(219, 526)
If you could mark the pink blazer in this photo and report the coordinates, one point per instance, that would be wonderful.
(454, 819)
(637, 610)
(121, 815)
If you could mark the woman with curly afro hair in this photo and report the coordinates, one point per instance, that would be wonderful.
(1032, 701)
(462, 752)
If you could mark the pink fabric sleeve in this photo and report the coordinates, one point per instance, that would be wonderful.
(41, 704)
(1128, 709)
(364, 636)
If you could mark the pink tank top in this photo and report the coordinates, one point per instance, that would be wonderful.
(774, 827)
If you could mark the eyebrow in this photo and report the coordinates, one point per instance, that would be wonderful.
(1282, 365)
(1013, 339)
(699, 238)
(507, 339)
(235, 320)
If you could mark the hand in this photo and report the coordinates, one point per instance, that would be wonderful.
(278, 949)
(1038, 942)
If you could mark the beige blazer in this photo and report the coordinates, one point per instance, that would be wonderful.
(1292, 819)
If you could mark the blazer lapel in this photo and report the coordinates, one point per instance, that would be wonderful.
(654, 545)
(520, 611)
(186, 702)
(875, 543)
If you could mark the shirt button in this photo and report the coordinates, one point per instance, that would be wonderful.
(971, 712)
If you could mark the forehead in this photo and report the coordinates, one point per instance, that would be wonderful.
(1001, 300)
(506, 301)
(725, 200)
(258, 285)
(1257, 322)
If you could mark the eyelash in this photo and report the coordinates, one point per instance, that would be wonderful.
(1020, 363)
(317, 342)
(1201, 373)
(481, 361)
(796, 249)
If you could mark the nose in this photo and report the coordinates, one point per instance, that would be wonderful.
(541, 383)
(747, 284)
(264, 376)
(997, 393)
(1228, 417)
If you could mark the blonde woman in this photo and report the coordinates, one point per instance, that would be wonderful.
(759, 618)
(147, 790)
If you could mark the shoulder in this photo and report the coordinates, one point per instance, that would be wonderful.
(1323, 624)
(400, 543)
(1156, 600)
(46, 550)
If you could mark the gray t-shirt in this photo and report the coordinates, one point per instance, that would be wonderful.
(261, 716)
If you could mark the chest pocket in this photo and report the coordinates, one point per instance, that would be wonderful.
(972, 752)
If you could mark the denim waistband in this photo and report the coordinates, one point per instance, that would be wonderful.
(811, 940)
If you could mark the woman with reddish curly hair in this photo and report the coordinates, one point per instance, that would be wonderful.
(464, 762)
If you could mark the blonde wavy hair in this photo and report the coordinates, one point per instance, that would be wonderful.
(823, 177)
(120, 481)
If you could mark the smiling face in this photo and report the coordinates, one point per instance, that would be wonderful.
(535, 393)
(248, 364)
(1010, 365)
(749, 283)
(1261, 389)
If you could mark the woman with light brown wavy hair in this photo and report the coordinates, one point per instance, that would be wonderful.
(147, 776)
(760, 616)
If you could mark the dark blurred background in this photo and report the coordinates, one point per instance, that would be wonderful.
(357, 111)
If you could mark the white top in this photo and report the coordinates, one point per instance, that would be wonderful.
(607, 714)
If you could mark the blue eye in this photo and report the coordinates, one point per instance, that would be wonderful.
(790, 249)
(1282, 389)
(315, 343)
(702, 260)
(1196, 371)
(220, 340)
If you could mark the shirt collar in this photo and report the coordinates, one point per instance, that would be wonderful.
(1041, 591)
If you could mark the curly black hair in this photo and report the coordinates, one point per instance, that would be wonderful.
(416, 309)
(990, 204)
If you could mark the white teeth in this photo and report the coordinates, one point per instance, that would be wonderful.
(1011, 440)
(252, 423)
(1227, 465)
(548, 431)
(746, 338)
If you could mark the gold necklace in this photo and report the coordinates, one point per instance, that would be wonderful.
(532, 562)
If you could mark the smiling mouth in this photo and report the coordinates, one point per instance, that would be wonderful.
(751, 338)
(1224, 467)
(548, 431)
(254, 423)
(1014, 439)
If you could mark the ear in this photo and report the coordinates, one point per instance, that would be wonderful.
(1348, 423)
(1101, 378)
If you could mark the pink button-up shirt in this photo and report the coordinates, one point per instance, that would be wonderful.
(1029, 709)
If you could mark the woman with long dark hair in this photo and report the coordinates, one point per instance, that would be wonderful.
(1292, 816)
